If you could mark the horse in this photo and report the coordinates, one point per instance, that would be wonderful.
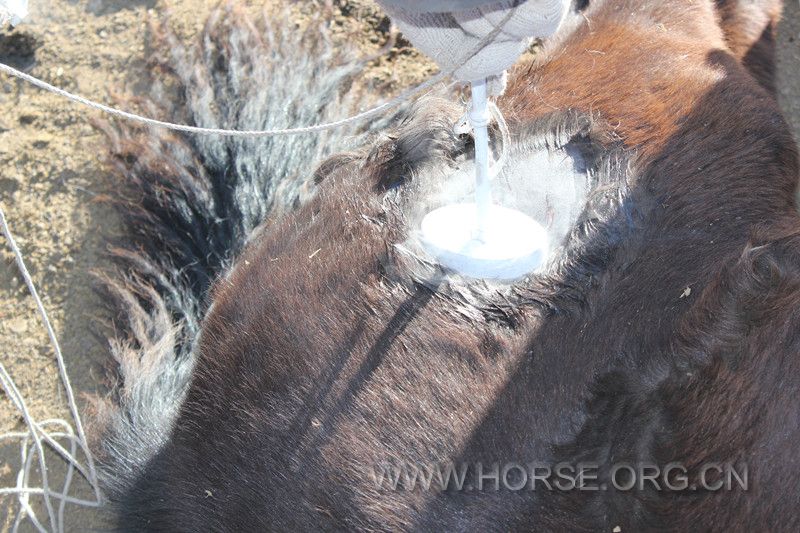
(288, 358)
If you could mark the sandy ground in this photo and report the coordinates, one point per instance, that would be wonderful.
(52, 173)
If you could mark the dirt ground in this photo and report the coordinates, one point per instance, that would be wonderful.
(52, 173)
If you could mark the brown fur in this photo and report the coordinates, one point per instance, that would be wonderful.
(321, 356)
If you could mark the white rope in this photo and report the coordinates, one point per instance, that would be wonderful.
(62, 368)
(375, 111)
(13, 392)
(32, 442)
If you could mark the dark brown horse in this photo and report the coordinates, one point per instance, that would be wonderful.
(280, 367)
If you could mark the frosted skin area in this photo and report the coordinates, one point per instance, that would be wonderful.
(548, 185)
(482, 239)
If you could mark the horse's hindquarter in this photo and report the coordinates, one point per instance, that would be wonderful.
(318, 366)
